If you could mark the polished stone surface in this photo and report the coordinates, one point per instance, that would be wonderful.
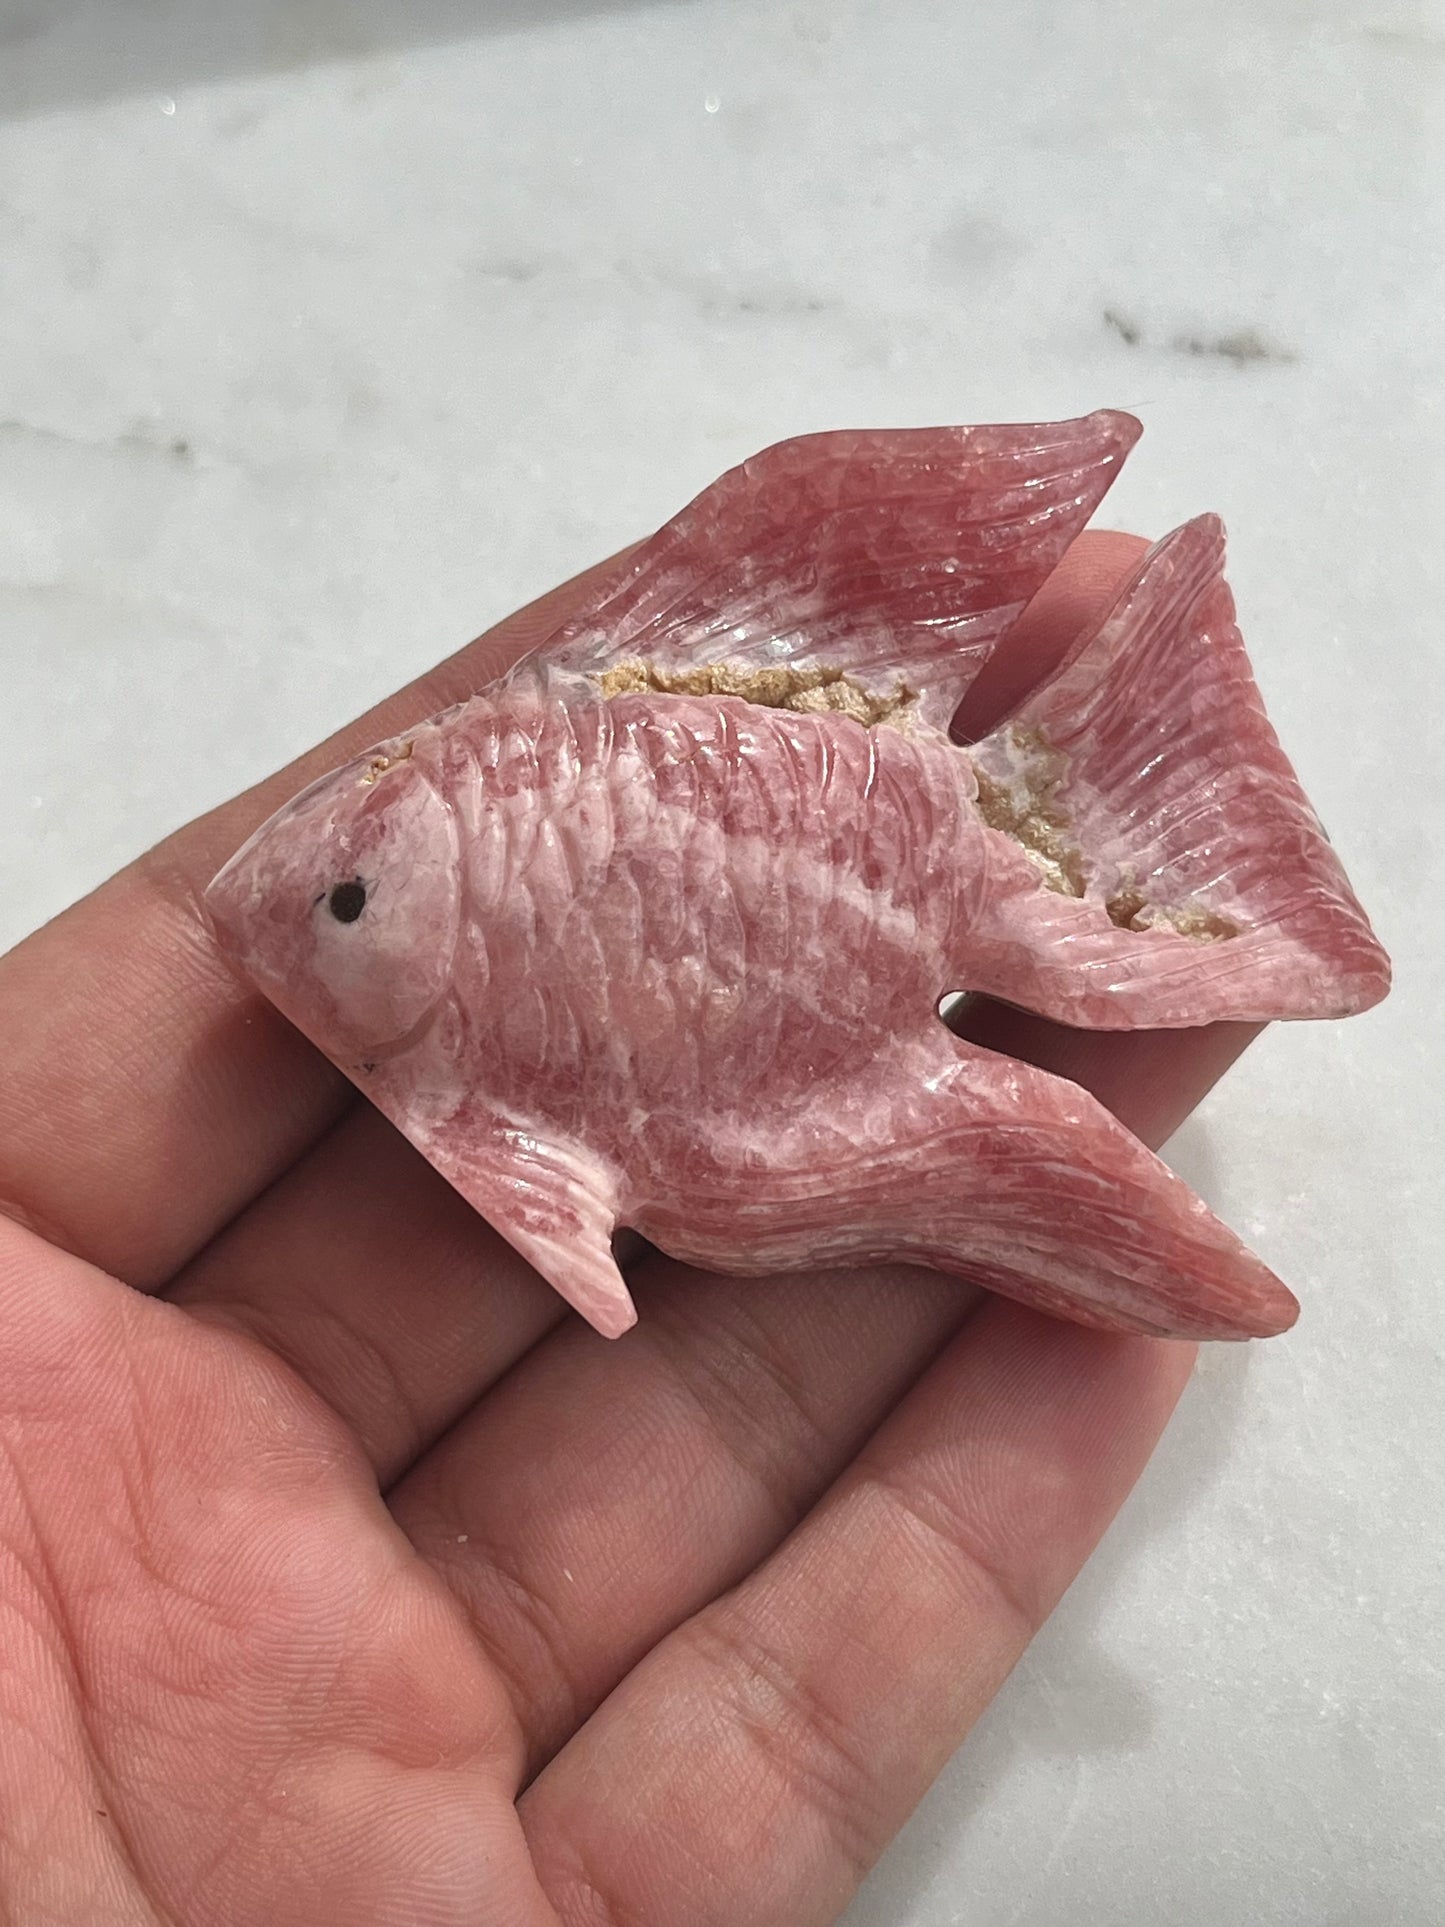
(329, 332)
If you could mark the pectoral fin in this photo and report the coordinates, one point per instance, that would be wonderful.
(553, 1204)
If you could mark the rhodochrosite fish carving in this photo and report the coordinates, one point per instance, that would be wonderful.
(653, 931)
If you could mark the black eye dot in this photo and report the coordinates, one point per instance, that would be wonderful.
(347, 901)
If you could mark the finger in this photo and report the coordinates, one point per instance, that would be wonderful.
(215, 1642)
(368, 1280)
(378, 1283)
(1152, 1079)
(604, 1493)
(545, 1500)
(1072, 600)
(605, 1490)
(753, 1766)
(148, 1094)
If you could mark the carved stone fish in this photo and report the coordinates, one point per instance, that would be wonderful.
(654, 930)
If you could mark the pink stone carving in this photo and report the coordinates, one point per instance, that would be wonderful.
(653, 931)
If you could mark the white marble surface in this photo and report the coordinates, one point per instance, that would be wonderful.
(329, 332)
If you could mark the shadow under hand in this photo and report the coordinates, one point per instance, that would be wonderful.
(55, 53)
(1069, 1698)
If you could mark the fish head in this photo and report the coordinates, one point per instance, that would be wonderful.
(344, 908)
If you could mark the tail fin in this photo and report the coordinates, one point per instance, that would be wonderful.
(895, 558)
(1168, 868)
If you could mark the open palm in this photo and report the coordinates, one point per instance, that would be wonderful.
(344, 1579)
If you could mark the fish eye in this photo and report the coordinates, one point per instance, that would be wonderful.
(347, 901)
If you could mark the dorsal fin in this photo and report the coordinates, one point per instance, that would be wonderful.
(896, 557)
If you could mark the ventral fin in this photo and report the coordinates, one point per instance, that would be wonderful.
(993, 1169)
(896, 558)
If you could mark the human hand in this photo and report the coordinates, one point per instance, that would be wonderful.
(343, 1579)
